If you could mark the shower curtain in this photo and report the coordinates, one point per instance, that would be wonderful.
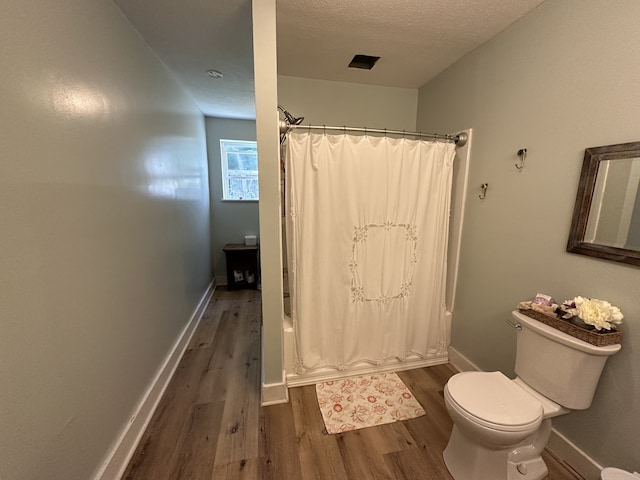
(367, 226)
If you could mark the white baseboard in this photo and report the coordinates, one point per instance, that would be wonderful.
(460, 362)
(274, 393)
(570, 454)
(327, 374)
(560, 445)
(118, 457)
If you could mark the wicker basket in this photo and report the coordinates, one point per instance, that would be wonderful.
(594, 337)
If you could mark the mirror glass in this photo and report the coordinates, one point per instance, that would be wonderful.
(614, 216)
(606, 219)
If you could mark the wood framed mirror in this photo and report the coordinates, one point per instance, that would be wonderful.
(606, 216)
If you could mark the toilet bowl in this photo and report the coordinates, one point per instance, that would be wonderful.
(501, 426)
(491, 408)
(611, 473)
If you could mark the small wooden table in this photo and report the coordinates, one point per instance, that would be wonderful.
(243, 266)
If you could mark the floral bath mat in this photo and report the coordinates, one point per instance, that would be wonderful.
(360, 402)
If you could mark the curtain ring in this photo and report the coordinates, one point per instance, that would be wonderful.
(324, 130)
(344, 129)
(403, 134)
(365, 131)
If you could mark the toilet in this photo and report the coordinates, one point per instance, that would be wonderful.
(611, 473)
(500, 425)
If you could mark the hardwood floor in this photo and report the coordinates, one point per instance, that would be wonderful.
(209, 424)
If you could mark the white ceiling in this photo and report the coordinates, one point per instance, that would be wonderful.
(416, 40)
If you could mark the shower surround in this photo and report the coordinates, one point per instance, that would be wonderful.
(374, 301)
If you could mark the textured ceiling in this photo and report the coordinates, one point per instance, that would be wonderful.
(416, 40)
(193, 36)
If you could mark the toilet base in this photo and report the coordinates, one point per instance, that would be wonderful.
(466, 460)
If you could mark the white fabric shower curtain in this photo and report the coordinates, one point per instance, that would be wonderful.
(367, 229)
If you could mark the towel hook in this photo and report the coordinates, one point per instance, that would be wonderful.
(522, 156)
(484, 188)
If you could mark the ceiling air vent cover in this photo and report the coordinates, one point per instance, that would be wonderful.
(366, 62)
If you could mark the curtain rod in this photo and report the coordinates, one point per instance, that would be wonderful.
(460, 139)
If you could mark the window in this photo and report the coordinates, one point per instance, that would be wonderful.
(239, 170)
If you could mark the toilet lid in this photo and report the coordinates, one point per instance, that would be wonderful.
(492, 397)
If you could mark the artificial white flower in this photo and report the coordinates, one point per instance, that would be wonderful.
(599, 313)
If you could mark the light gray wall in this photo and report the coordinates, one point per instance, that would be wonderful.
(230, 220)
(104, 237)
(323, 102)
(267, 133)
(563, 78)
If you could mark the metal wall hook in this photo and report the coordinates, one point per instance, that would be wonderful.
(484, 188)
(522, 156)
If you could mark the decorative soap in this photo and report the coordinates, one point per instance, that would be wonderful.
(542, 299)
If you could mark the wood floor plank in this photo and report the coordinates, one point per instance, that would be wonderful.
(412, 464)
(431, 432)
(209, 424)
(392, 437)
(154, 454)
(201, 435)
(430, 441)
(317, 451)
(246, 469)
(427, 386)
(238, 440)
(206, 331)
(359, 460)
(217, 375)
(279, 444)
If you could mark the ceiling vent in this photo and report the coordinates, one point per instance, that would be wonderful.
(365, 62)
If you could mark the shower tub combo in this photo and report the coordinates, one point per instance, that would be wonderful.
(458, 199)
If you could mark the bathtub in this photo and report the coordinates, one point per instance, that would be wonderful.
(325, 374)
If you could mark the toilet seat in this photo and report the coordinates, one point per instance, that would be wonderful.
(494, 401)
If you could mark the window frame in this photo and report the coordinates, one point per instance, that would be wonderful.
(224, 164)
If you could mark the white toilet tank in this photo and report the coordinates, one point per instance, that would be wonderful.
(559, 366)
